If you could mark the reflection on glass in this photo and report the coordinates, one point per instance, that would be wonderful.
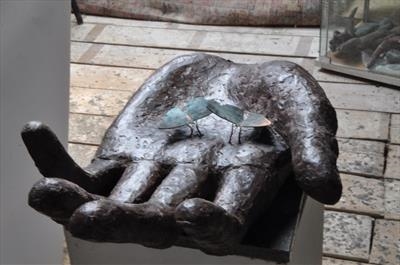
(362, 34)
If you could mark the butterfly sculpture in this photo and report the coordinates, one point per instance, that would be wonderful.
(199, 108)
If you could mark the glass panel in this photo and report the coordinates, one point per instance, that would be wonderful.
(323, 41)
(362, 34)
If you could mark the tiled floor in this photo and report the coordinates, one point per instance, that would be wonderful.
(110, 58)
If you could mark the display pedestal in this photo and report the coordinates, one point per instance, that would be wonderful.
(306, 247)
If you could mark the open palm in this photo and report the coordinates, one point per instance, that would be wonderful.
(151, 186)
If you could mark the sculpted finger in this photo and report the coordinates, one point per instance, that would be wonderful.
(246, 191)
(151, 223)
(189, 177)
(53, 161)
(304, 117)
(183, 182)
(48, 153)
(315, 170)
(58, 198)
(212, 228)
(250, 176)
(112, 221)
(138, 182)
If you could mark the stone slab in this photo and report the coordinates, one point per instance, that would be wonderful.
(81, 31)
(346, 96)
(78, 49)
(82, 154)
(347, 235)
(118, 78)
(361, 157)
(125, 56)
(206, 40)
(363, 97)
(332, 261)
(386, 243)
(331, 76)
(88, 129)
(363, 124)
(361, 195)
(314, 47)
(153, 58)
(97, 101)
(393, 162)
(395, 129)
(392, 199)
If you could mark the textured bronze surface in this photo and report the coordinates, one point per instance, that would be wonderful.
(164, 187)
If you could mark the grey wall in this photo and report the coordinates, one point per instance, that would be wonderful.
(34, 77)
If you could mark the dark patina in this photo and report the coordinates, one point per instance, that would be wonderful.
(161, 188)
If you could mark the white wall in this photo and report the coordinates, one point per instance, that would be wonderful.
(34, 77)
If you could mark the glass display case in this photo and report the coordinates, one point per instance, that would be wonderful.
(361, 38)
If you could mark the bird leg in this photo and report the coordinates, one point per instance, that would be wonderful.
(230, 136)
(198, 130)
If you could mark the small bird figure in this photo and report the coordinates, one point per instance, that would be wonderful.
(194, 110)
(199, 108)
(237, 117)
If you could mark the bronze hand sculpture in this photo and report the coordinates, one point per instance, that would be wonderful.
(151, 186)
